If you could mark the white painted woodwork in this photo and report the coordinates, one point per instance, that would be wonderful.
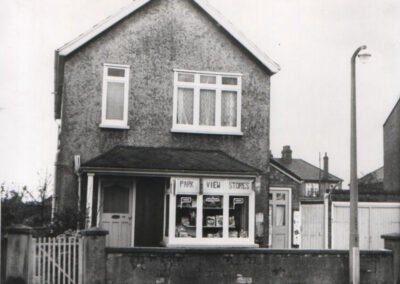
(120, 225)
(56, 260)
(177, 188)
(375, 220)
(312, 226)
(280, 231)
(89, 200)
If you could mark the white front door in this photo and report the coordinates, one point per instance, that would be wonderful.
(280, 217)
(116, 211)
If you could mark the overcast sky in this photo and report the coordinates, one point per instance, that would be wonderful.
(312, 40)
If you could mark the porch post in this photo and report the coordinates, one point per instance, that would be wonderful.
(89, 200)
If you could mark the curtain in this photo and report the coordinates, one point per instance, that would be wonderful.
(207, 107)
(228, 108)
(115, 101)
(185, 106)
(280, 215)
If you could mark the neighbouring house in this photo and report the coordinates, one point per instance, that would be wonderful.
(372, 182)
(164, 115)
(391, 150)
(379, 197)
(293, 182)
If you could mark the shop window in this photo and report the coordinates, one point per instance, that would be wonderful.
(238, 216)
(213, 218)
(207, 102)
(210, 212)
(186, 211)
(115, 96)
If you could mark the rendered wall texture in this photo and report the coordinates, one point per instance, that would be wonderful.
(159, 37)
(248, 266)
(391, 145)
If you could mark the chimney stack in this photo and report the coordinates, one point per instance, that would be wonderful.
(286, 154)
(326, 167)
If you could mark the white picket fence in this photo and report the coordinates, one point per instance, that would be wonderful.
(57, 260)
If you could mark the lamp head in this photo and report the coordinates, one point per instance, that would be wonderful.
(364, 57)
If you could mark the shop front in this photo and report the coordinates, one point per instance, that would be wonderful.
(175, 206)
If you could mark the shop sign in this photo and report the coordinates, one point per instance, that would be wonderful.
(213, 184)
(242, 185)
(186, 185)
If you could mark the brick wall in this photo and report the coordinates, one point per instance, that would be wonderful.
(242, 266)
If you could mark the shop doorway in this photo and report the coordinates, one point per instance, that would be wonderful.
(149, 212)
(116, 211)
(280, 217)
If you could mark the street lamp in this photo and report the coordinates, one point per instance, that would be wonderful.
(354, 249)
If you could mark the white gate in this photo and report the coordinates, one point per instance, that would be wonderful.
(57, 260)
(312, 226)
(374, 219)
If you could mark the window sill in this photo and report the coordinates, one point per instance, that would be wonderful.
(207, 131)
(114, 126)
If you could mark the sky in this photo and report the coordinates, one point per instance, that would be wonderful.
(312, 41)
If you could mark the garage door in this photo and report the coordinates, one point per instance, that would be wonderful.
(375, 219)
(312, 226)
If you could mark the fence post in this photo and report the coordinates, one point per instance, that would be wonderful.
(392, 242)
(94, 256)
(18, 253)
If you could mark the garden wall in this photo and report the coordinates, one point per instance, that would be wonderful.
(162, 265)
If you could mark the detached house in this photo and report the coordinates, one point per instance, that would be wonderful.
(164, 127)
(295, 182)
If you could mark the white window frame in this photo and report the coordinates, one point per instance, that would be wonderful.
(115, 123)
(218, 87)
(173, 241)
(308, 192)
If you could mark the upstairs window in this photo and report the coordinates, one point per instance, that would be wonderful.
(207, 102)
(312, 190)
(115, 96)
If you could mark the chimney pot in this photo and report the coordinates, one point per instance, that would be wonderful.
(286, 154)
(326, 167)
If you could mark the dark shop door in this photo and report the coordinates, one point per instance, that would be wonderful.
(149, 212)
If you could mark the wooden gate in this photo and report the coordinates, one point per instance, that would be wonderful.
(57, 260)
(374, 218)
(312, 226)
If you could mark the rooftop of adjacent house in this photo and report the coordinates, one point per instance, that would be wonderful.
(301, 169)
(373, 177)
(169, 159)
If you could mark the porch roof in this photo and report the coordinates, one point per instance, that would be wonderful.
(167, 160)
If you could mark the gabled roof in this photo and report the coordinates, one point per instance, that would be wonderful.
(126, 11)
(392, 111)
(97, 29)
(163, 159)
(303, 170)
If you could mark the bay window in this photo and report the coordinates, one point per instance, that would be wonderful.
(115, 96)
(210, 211)
(207, 102)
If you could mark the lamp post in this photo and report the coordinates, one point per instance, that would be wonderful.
(354, 249)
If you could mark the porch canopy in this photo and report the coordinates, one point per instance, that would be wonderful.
(152, 161)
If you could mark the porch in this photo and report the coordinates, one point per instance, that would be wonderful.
(152, 197)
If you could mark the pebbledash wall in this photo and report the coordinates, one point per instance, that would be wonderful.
(135, 265)
(391, 147)
(154, 40)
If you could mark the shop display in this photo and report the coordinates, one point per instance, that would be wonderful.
(210, 209)
(219, 220)
(212, 201)
(210, 221)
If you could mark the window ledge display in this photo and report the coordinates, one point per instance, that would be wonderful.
(210, 212)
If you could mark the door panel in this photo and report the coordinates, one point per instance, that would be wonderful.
(149, 212)
(312, 226)
(279, 209)
(116, 212)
